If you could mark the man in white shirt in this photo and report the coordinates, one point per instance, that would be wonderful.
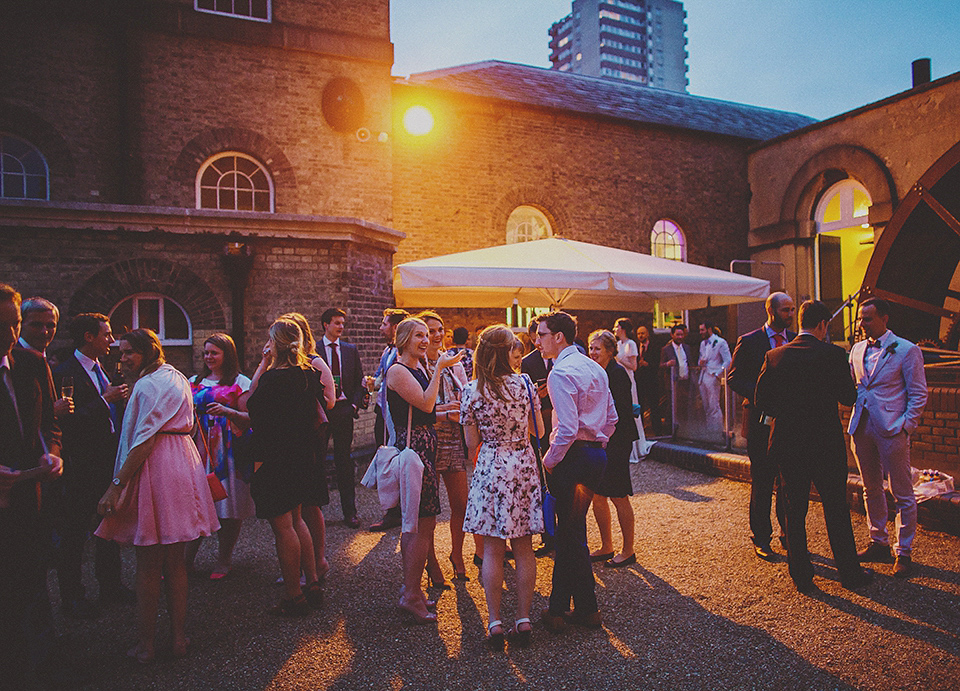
(677, 356)
(714, 360)
(891, 394)
(584, 417)
(40, 320)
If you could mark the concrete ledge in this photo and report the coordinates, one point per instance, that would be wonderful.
(940, 513)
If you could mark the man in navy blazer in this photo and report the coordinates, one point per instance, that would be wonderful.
(891, 393)
(29, 453)
(744, 369)
(344, 361)
(679, 356)
(90, 437)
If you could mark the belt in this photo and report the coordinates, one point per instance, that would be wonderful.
(590, 444)
(182, 434)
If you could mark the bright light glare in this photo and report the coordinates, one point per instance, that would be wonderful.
(418, 121)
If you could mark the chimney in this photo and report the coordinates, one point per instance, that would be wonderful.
(921, 72)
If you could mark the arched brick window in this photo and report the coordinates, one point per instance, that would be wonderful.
(527, 223)
(232, 181)
(667, 241)
(23, 170)
(153, 311)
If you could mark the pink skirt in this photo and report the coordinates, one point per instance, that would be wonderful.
(167, 502)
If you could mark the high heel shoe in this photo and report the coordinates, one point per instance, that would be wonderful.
(458, 575)
(438, 583)
(495, 641)
(412, 616)
(518, 637)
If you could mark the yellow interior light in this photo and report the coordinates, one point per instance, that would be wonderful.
(418, 121)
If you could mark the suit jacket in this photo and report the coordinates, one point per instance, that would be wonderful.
(715, 352)
(748, 359)
(351, 371)
(646, 375)
(33, 386)
(800, 385)
(667, 354)
(895, 391)
(534, 366)
(89, 445)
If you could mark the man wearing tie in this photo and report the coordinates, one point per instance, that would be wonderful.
(891, 393)
(742, 378)
(38, 329)
(676, 356)
(90, 437)
(344, 361)
(714, 359)
(29, 453)
(646, 378)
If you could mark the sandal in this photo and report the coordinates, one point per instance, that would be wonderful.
(495, 641)
(293, 607)
(518, 637)
(314, 594)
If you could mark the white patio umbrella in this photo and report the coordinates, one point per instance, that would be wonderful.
(570, 274)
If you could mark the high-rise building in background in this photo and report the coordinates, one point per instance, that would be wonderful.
(638, 40)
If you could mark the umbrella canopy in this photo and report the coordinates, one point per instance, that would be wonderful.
(570, 274)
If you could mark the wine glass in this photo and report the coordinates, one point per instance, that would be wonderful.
(66, 387)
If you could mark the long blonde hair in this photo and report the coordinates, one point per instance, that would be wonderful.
(309, 344)
(491, 359)
(288, 344)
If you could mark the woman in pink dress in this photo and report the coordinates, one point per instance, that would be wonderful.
(159, 499)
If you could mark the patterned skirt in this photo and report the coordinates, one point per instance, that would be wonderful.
(423, 440)
(450, 453)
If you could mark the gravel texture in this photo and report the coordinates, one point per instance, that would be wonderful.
(698, 611)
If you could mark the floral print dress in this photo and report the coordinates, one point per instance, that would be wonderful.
(505, 499)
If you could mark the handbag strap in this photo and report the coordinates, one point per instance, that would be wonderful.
(536, 446)
(203, 437)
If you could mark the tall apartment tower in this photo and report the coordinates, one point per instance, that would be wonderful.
(638, 40)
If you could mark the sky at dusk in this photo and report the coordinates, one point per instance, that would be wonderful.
(816, 57)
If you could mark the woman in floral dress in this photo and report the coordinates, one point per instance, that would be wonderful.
(499, 410)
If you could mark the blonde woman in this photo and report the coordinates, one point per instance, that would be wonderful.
(411, 392)
(283, 414)
(500, 410)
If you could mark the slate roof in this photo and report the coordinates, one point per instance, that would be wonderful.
(541, 87)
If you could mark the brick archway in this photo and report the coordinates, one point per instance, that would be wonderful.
(537, 198)
(108, 287)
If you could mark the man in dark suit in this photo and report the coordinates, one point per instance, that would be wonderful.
(677, 356)
(37, 330)
(648, 394)
(29, 453)
(90, 437)
(742, 378)
(344, 361)
(799, 387)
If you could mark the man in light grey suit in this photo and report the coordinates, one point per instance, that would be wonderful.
(891, 393)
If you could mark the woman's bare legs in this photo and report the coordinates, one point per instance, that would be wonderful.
(526, 564)
(308, 527)
(227, 538)
(491, 575)
(456, 484)
(149, 570)
(601, 512)
(625, 518)
(413, 550)
(288, 552)
(175, 581)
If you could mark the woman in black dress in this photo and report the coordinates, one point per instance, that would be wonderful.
(616, 483)
(408, 387)
(283, 414)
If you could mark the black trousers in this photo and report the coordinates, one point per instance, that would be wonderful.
(77, 508)
(573, 483)
(340, 430)
(830, 479)
(764, 476)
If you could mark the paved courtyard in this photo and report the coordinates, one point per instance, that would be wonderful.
(698, 611)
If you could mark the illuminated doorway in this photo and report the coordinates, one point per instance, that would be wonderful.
(843, 249)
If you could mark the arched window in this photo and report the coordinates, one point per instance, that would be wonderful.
(153, 311)
(232, 181)
(23, 170)
(527, 223)
(667, 241)
(258, 10)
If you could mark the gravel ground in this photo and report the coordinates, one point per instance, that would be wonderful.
(698, 611)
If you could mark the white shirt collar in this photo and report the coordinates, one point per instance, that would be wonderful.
(85, 362)
(5, 362)
(23, 344)
(327, 341)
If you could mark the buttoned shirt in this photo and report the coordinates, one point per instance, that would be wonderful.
(871, 354)
(683, 367)
(329, 351)
(583, 408)
(715, 355)
(771, 336)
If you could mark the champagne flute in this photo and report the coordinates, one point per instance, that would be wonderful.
(66, 387)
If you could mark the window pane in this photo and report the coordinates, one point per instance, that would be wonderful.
(227, 200)
(208, 199)
(861, 203)
(13, 186)
(261, 201)
(527, 223)
(210, 177)
(260, 9)
(244, 200)
(121, 321)
(148, 311)
(246, 166)
(36, 187)
(176, 326)
(832, 212)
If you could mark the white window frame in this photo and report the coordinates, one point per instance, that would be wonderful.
(660, 228)
(269, 17)
(161, 333)
(23, 173)
(844, 189)
(545, 230)
(228, 154)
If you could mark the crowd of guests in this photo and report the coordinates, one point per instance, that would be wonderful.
(549, 433)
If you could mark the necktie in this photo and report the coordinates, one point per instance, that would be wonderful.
(335, 367)
(103, 383)
(778, 340)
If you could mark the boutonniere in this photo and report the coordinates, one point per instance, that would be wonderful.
(890, 349)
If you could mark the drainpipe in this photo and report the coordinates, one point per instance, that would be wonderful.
(237, 262)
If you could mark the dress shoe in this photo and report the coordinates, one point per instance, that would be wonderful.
(352, 521)
(903, 566)
(121, 595)
(764, 552)
(389, 520)
(614, 564)
(544, 551)
(876, 552)
(865, 577)
(81, 608)
(593, 620)
(554, 623)
(601, 557)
